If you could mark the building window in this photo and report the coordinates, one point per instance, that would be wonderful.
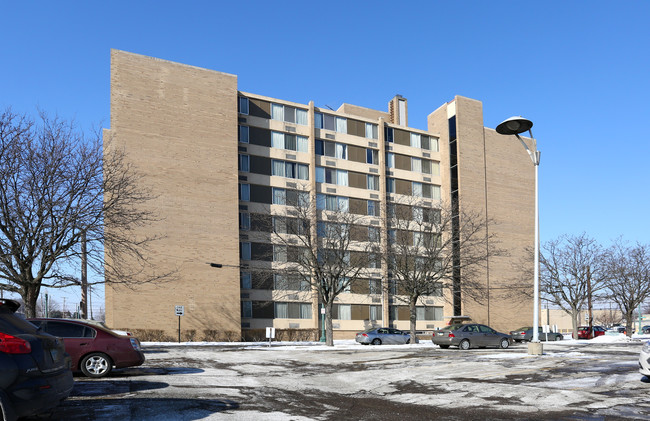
(341, 125)
(390, 160)
(416, 141)
(416, 189)
(247, 309)
(390, 185)
(375, 313)
(341, 151)
(244, 192)
(374, 261)
(292, 311)
(244, 163)
(279, 253)
(244, 221)
(374, 286)
(373, 234)
(288, 114)
(342, 312)
(373, 208)
(371, 131)
(331, 176)
(277, 112)
(243, 134)
(435, 168)
(372, 156)
(246, 280)
(289, 142)
(279, 196)
(428, 313)
(388, 131)
(289, 169)
(301, 116)
(243, 105)
(373, 182)
(416, 165)
(245, 251)
(332, 203)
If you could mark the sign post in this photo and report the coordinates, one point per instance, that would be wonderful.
(270, 334)
(180, 311)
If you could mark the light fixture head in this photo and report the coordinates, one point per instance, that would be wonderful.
(514, 125)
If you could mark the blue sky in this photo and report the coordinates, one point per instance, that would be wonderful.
(578, 70)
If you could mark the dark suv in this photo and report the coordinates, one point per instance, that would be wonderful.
(35, 373)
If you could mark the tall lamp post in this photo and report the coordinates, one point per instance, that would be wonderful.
(515, 126)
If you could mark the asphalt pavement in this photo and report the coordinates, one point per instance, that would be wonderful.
(577, 380)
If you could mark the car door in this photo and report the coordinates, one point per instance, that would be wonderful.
(397, 336)
(471, 332)
(488, 336)
(77, 338)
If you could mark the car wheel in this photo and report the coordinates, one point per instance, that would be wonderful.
(504, 343)
(96, 365)
(558, 338)
(444, 346)
(376, 341)
(464, 344)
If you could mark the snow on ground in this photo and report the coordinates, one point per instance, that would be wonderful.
(350, 343)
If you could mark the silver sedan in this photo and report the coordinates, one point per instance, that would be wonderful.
(382, 335)
(471, 335)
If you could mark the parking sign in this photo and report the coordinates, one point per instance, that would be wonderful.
(180, 310)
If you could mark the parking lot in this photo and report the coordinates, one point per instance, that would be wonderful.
(572, 380)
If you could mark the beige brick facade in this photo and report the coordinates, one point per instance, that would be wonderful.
(179, 126)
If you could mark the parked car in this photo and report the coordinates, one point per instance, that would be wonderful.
(525, 334)
(472, 335)
(382, 335)
(94, 349)
(35, 373)
(645, 330)
(583, 332)
(644, 359)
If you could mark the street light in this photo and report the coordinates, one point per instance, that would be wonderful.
(515, 126)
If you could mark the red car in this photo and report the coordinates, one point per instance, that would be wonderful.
(94, 349)
(583, 332)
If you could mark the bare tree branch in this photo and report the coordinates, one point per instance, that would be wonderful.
(57, 187)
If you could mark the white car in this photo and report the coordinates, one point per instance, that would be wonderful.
(644, 360)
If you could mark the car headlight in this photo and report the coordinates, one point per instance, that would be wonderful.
(646, 347)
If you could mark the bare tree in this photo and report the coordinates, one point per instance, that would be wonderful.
(57, 187)
(315, 236)
(629, 282)
(571, 269)
(423, 252)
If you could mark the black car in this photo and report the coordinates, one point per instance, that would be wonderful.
(35, 373)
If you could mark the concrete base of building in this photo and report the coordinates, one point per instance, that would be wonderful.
(535, 348)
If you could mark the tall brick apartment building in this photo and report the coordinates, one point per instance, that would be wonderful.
(215, 156)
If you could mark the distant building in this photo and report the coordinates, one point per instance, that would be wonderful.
(217, 158)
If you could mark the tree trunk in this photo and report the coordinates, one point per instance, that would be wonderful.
(574, 321)
(629, 317)
(30, 297)
(329, 331)
(412, 318)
